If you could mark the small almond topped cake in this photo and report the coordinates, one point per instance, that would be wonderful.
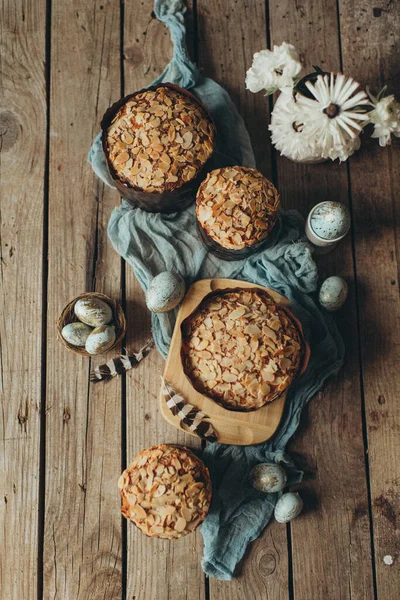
(237, 207)
(159, 139)
(241, 348)
(165, 491)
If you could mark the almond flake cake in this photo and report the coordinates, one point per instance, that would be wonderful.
(237, 207)
(159, 139)
(165, 491)
(241, 349)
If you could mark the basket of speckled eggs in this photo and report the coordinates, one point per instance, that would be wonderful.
(91, 324)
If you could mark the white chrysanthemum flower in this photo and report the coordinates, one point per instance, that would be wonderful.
(343, 152)
(335, 117)
(287, 129)
(385, 117)
(273, 70)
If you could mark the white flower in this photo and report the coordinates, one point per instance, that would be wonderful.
(385, 118)
(287, 128)
(342, 152)
(335, 118)
(274, 70)
(295, 139)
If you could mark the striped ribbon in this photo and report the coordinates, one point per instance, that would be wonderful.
(119, 365)
(191, 416)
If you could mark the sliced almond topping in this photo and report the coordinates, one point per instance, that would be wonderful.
(157, 530)
(194, 489)
(160, 468)
(265, 389)
(127, 138)
(202, 345)
(166, 510)
(226, 361)
(254, 344)
(180, 524)
(186, 513)
(285, 363)
(149, 481)
(138, 512)
(161, 489)
(171, 133)
(208, 377)
(229, 377)
(121, 158)
(165, 158)
(204, 213)
(236, 314)
(252, 329)
(132, 498)
(177, 464)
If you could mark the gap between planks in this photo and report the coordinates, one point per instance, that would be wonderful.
(43, 401)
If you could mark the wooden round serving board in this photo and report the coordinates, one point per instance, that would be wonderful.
(231, 427)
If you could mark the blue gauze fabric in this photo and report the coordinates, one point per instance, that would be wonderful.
(152, 243)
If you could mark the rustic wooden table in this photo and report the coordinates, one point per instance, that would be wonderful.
(64, 441)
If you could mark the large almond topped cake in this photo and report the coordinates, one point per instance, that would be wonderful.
(165, 491)
(159, 139)
(241, 348)
(237, 207)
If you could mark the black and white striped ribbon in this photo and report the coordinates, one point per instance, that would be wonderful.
(191, 416)
(119, 365)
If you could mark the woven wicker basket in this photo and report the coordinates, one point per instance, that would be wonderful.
(68, 316)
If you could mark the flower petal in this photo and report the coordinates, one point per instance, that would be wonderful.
(348, 89)
(354, 100)
(344, 125)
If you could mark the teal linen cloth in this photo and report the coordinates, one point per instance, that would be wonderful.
(151, 243)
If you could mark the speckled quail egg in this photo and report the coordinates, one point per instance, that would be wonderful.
(100, 340)
(268, 477)
(330, 220)
(165, 292)
(76, 334)
(333, 293)
(93, 311)
(288, 507)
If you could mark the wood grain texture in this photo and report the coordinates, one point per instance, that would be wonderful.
(155, 568)
(22, 160)
(331, 539)
(85, 553)
(370, 51)
(82, 544)
(229, 33)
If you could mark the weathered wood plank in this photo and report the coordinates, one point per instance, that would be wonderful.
(229, 34)
(370, 51)
(155, 568)
(22, 163)
(331, 540)
(82, 546)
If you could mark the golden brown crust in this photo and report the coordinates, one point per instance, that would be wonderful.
(165, 491)
(241, 349)
(237, 207)
(159, 140)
